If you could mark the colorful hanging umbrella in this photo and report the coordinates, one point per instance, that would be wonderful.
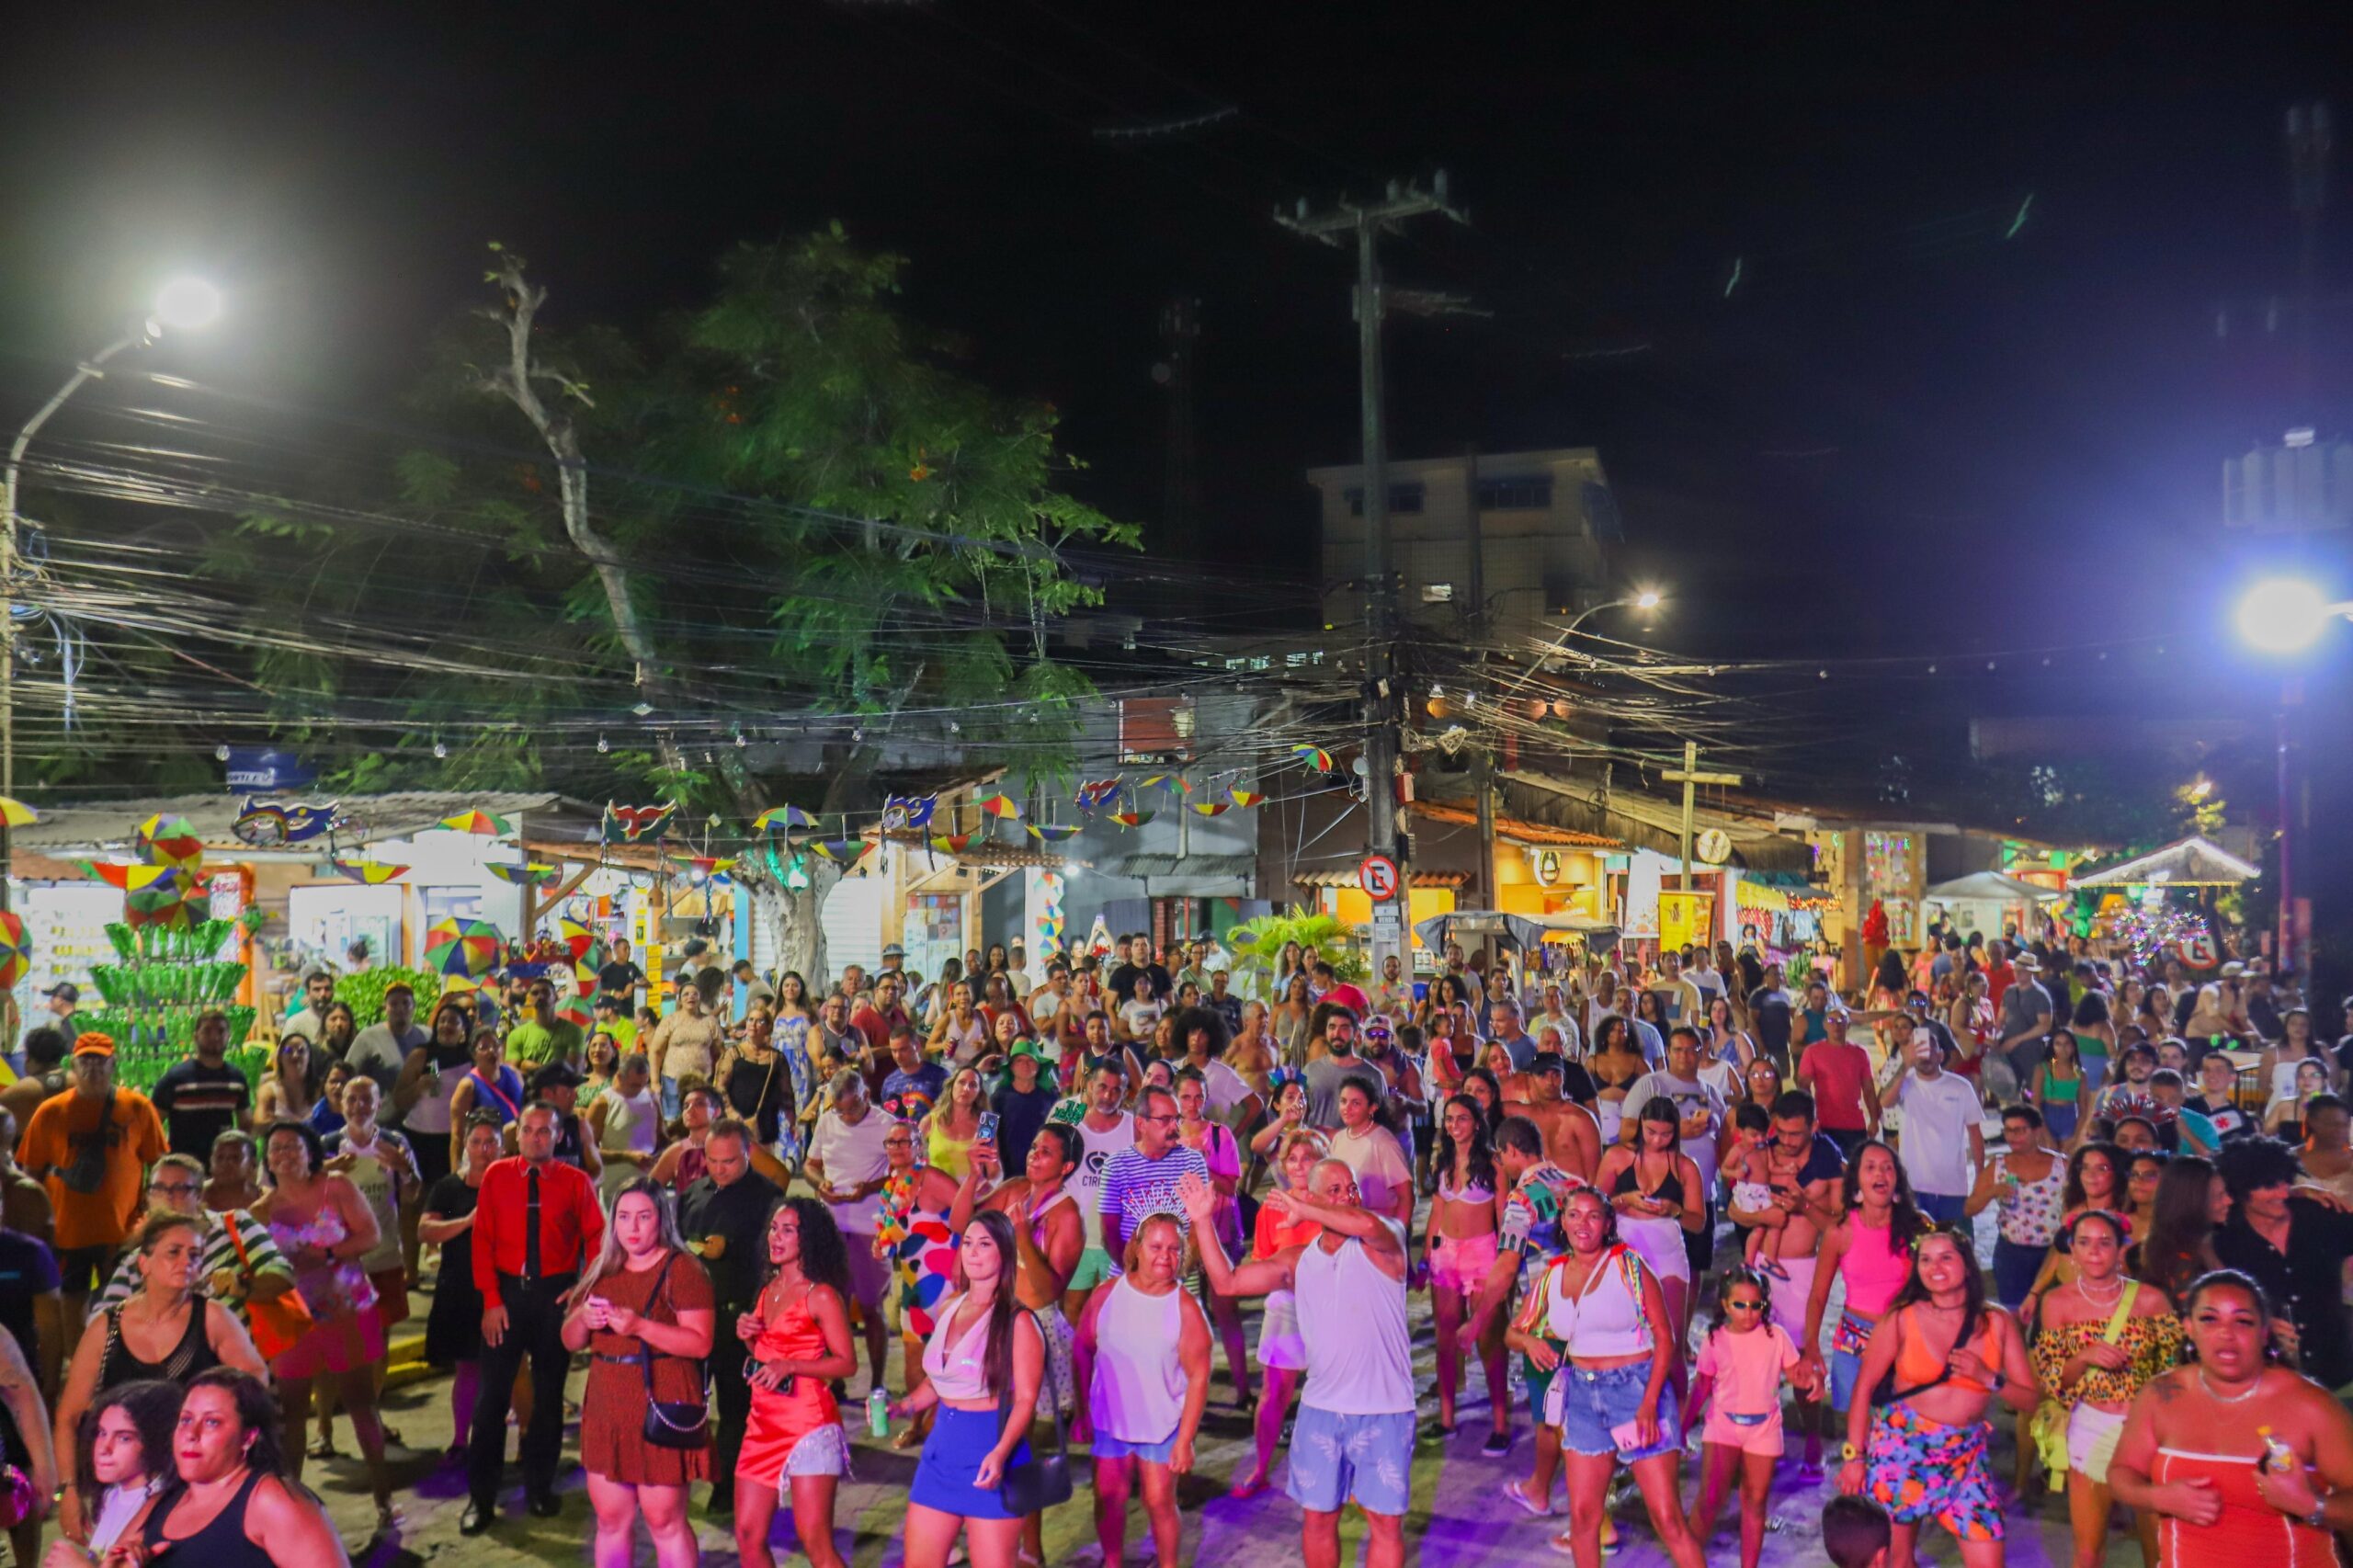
(486, 823)
(576, 939)
(1244, 796)
(1001, 806)
(1211, 808)
(171, 842)
(532, 875)
(783, 819)
(16, 949)
(371, 872)
(576, 1011)
(134, 878)
(461, 946)
(16, 813)
(1168, 783)
(704, 865)
(952, 843)
(1055, 832)
(1314, 755)
(1132, 818)
(1098, 793)
(842, 851)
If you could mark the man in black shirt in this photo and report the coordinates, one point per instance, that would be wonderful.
(1137, 951)
(2294, 1248)
(1770, 1008)
(724, 1217)
(203, 1097)
(619, 978)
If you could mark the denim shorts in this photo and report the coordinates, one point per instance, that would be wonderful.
(1109, 1448)
(1589, 1404)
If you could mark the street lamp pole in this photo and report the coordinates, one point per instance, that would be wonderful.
(1647, 599)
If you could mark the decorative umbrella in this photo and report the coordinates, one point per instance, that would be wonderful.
(532, 875)
(1211, 808)
(575, 1010)
(1002, 806)
(1316, 755)
(171, 842)
(16, 949)
(468, 948)
(1098, 793)
(783, 819)
(576, 939)
(371, 872)
(16, 813)
(843, 851)
(1244, 796)
(1132, 818)
(703, 867)
(952, 843)
(1055, 832)
(487, 825)
(134, 878)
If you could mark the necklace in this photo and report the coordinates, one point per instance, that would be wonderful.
(2108, 1301)
(2231, 1398)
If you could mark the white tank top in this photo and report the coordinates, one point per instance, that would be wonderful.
(1137, 1391)
(1352, 1317)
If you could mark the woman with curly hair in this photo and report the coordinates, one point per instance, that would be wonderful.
(798, 1336)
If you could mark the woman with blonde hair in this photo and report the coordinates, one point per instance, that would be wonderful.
(1149, 1345)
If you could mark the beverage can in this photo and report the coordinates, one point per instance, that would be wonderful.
(878, 1415)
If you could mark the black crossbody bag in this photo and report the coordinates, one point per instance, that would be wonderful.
(673, 1423)
(1045, 1481)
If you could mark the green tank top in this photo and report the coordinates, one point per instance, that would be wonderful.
(2088, 1045)
(2062, 1091)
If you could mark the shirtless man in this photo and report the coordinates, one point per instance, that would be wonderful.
(1253, 1053)
(1805, 1170)
(1572, 1136)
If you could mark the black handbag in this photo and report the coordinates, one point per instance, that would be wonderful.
(1045, 1481)
(673, 1422)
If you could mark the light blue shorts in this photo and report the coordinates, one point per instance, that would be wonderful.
(1591, 1404)
(1109, 1448)
(1337, 1458)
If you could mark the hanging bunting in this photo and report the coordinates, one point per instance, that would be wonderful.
(483, 824)
(533, 875)
(1316, 756)
(1055, 832)
(371, 872)
(1132, 818)
(1098, 793)
(1211, 808)
(1004, 807)
(704, 866)
(635, 825)
(908, 813)
(1242, 798)
(783, 819)
(841, 851)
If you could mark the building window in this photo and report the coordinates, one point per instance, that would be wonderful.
(1406, 498)
(1533, 493)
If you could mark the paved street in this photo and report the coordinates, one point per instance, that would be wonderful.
(1459, 1519)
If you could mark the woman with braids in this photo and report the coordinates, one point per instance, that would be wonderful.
(1917, 1439)
(798, 1336)
(2244, 1462)
(1870, 1251)
(236, 1506)
(2104, 1337)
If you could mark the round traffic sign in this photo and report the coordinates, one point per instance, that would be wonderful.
(1378, 877)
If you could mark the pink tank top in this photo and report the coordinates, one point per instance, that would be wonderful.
(1873, 1268)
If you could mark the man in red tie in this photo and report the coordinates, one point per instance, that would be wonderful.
(536, 1223)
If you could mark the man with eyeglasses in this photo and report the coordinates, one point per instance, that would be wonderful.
(239, 1264)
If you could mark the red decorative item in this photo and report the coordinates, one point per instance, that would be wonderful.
(1875, 925)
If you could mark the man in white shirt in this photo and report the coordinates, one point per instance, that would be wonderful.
(381, 1050)
(1941, 1138)
(846, 1164)
(1679, 998)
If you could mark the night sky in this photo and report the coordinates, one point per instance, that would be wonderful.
(1915, 423)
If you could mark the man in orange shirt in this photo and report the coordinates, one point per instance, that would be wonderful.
(92, 1145)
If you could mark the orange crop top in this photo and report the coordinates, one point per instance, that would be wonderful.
(1915, 1366)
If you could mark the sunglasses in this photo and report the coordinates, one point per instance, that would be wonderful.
(1744, 1306)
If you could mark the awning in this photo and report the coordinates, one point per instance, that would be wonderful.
(2191, 863)
(1413, 879)
(1543, 836)
(1991, 887)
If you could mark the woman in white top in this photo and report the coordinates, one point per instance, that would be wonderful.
(123, 1463)
(626, 1121)
(960, 1034)
(1613, 1399)
(1150, 1346)
(982, 1349)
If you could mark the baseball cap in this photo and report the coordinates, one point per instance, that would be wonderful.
(92, 1044)
(556, 1076)
(66, 989)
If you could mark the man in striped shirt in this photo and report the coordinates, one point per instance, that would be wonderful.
(232, 1277)
(1142, 1179)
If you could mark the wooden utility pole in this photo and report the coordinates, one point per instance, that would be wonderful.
(1690, 778)
(1366, 222)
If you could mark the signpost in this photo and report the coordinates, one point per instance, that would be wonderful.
(1378, 877)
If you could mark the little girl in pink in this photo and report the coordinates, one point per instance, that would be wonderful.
(1737, 1379)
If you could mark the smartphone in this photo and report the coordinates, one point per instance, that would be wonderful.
(1627, 1438)
(987, 1131)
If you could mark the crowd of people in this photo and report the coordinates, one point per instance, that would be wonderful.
(1702, 1207)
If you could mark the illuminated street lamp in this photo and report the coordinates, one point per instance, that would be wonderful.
(2285, 615)
(184, 304)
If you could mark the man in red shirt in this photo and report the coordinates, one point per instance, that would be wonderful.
(1837, 1074)
(537, 1223)
(1999, 975)
(878, 1012)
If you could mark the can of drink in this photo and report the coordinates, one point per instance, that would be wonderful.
(878, 1415)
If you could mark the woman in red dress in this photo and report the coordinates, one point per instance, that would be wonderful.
(798, 1333)
(645, 1309)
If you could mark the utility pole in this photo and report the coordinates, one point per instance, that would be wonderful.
(1474, 628)
(1383, 705)
(1690, 778)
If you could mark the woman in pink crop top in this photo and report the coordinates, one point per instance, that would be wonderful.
(1870, 1250)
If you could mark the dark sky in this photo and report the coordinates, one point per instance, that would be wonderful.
(1906, 427)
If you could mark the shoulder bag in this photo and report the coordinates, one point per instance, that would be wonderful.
(278, 1323)
(673, 1422)
(1045, 1480)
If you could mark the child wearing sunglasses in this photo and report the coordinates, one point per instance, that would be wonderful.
(1737, 1379)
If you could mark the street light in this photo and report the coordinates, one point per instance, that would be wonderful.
(1648, 599)
(184, 304)
(2285, 615)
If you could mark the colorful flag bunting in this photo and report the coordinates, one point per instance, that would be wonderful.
(635, 825)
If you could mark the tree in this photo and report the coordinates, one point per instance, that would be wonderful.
(785, 507)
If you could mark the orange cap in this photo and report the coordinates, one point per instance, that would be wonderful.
(93, 1043)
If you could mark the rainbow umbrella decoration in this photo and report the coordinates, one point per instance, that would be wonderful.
(1098, 793)
(1055, 832)
(1132, 818)
(16, 813)
(783, 819)
(134, 878)
(1004, 807)
(841, 851)
(16, 949)
(372, 873)
(1314, 755)
(1168, 783)
(704, 866)
(1244, 796)
(467, 948)
(577, 940)
(171, 842)
(1211, 808)
(485, 824)
(533, 875)
(950, 843)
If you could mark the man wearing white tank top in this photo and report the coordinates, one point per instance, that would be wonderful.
(1354, 1437)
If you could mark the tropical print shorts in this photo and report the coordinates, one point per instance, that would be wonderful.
(1919, 1469)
